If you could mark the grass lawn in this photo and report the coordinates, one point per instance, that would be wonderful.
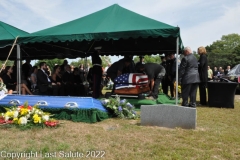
(217, 136)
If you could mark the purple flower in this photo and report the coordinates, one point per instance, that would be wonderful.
(122, 101)
(119, 108)
(129, 105)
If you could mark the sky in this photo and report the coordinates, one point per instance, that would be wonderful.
(201, 22)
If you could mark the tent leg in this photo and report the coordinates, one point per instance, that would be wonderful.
(177, 52)
(19, 69)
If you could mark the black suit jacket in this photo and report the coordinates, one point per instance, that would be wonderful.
(42, 81)
(188, 71)
(203, 68)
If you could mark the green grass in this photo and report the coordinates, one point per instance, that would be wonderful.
(217, 136)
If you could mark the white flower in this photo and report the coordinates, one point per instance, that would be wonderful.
(15, 114)
(6, 118)
(23, 120)
(37, 111)
(45, 117)
(28, 116)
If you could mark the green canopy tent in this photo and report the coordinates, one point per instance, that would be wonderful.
(119, 31)
(8, 34)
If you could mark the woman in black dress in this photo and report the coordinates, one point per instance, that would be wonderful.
(203, 74)
(56, 79)
(10, 82)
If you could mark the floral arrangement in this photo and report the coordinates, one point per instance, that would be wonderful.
(27, 115)
(3, 86)
(179, 87)
(120, 108)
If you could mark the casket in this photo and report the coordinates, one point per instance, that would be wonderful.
(131, 84)
(132, 91)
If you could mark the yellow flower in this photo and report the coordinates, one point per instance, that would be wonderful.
(15, 120)
(23, 111)
(9, 113)
(36, 119)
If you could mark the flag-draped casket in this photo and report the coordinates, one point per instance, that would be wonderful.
(131, 83)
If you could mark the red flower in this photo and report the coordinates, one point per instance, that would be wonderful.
(51, 123)
(29, 107)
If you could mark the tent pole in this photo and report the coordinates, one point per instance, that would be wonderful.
(19, 69)
(177, 52)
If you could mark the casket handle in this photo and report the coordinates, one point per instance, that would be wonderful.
(42, 103)
(71, 105)
(14, 102)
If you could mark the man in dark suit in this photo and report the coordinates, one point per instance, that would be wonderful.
(67, 79)
(189, 78)
(43, 81)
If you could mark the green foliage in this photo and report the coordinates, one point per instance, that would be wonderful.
(105, 61)
(81, 61)
(224, 52)
(149, 59)
(51, 63)
(120, 108)
(9, 63)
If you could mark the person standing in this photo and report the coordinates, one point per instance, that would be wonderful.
(203, 74)
(169, 73)
(189, 78)
(215, 73)
(164, 81)
(155, 74)
(96, 72)
(227, 70)
(210, 74)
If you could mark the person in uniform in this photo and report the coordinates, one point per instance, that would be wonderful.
(155, 74)
(96, 72)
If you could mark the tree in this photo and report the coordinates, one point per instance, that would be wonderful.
(9, 63)
(51, 63)
(105, 61)
(224, 52)
(149, 59)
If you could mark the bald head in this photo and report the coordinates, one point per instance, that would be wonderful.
(187, 51)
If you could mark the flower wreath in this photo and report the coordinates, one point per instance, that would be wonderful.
(119, 108)
(27, 115)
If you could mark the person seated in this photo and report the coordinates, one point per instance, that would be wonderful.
(67, 80)
(11, 84)
(33, 78)
(56, 78)
(43, 80)
(79, 89)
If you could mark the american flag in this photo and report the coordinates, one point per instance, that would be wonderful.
(130, 80)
